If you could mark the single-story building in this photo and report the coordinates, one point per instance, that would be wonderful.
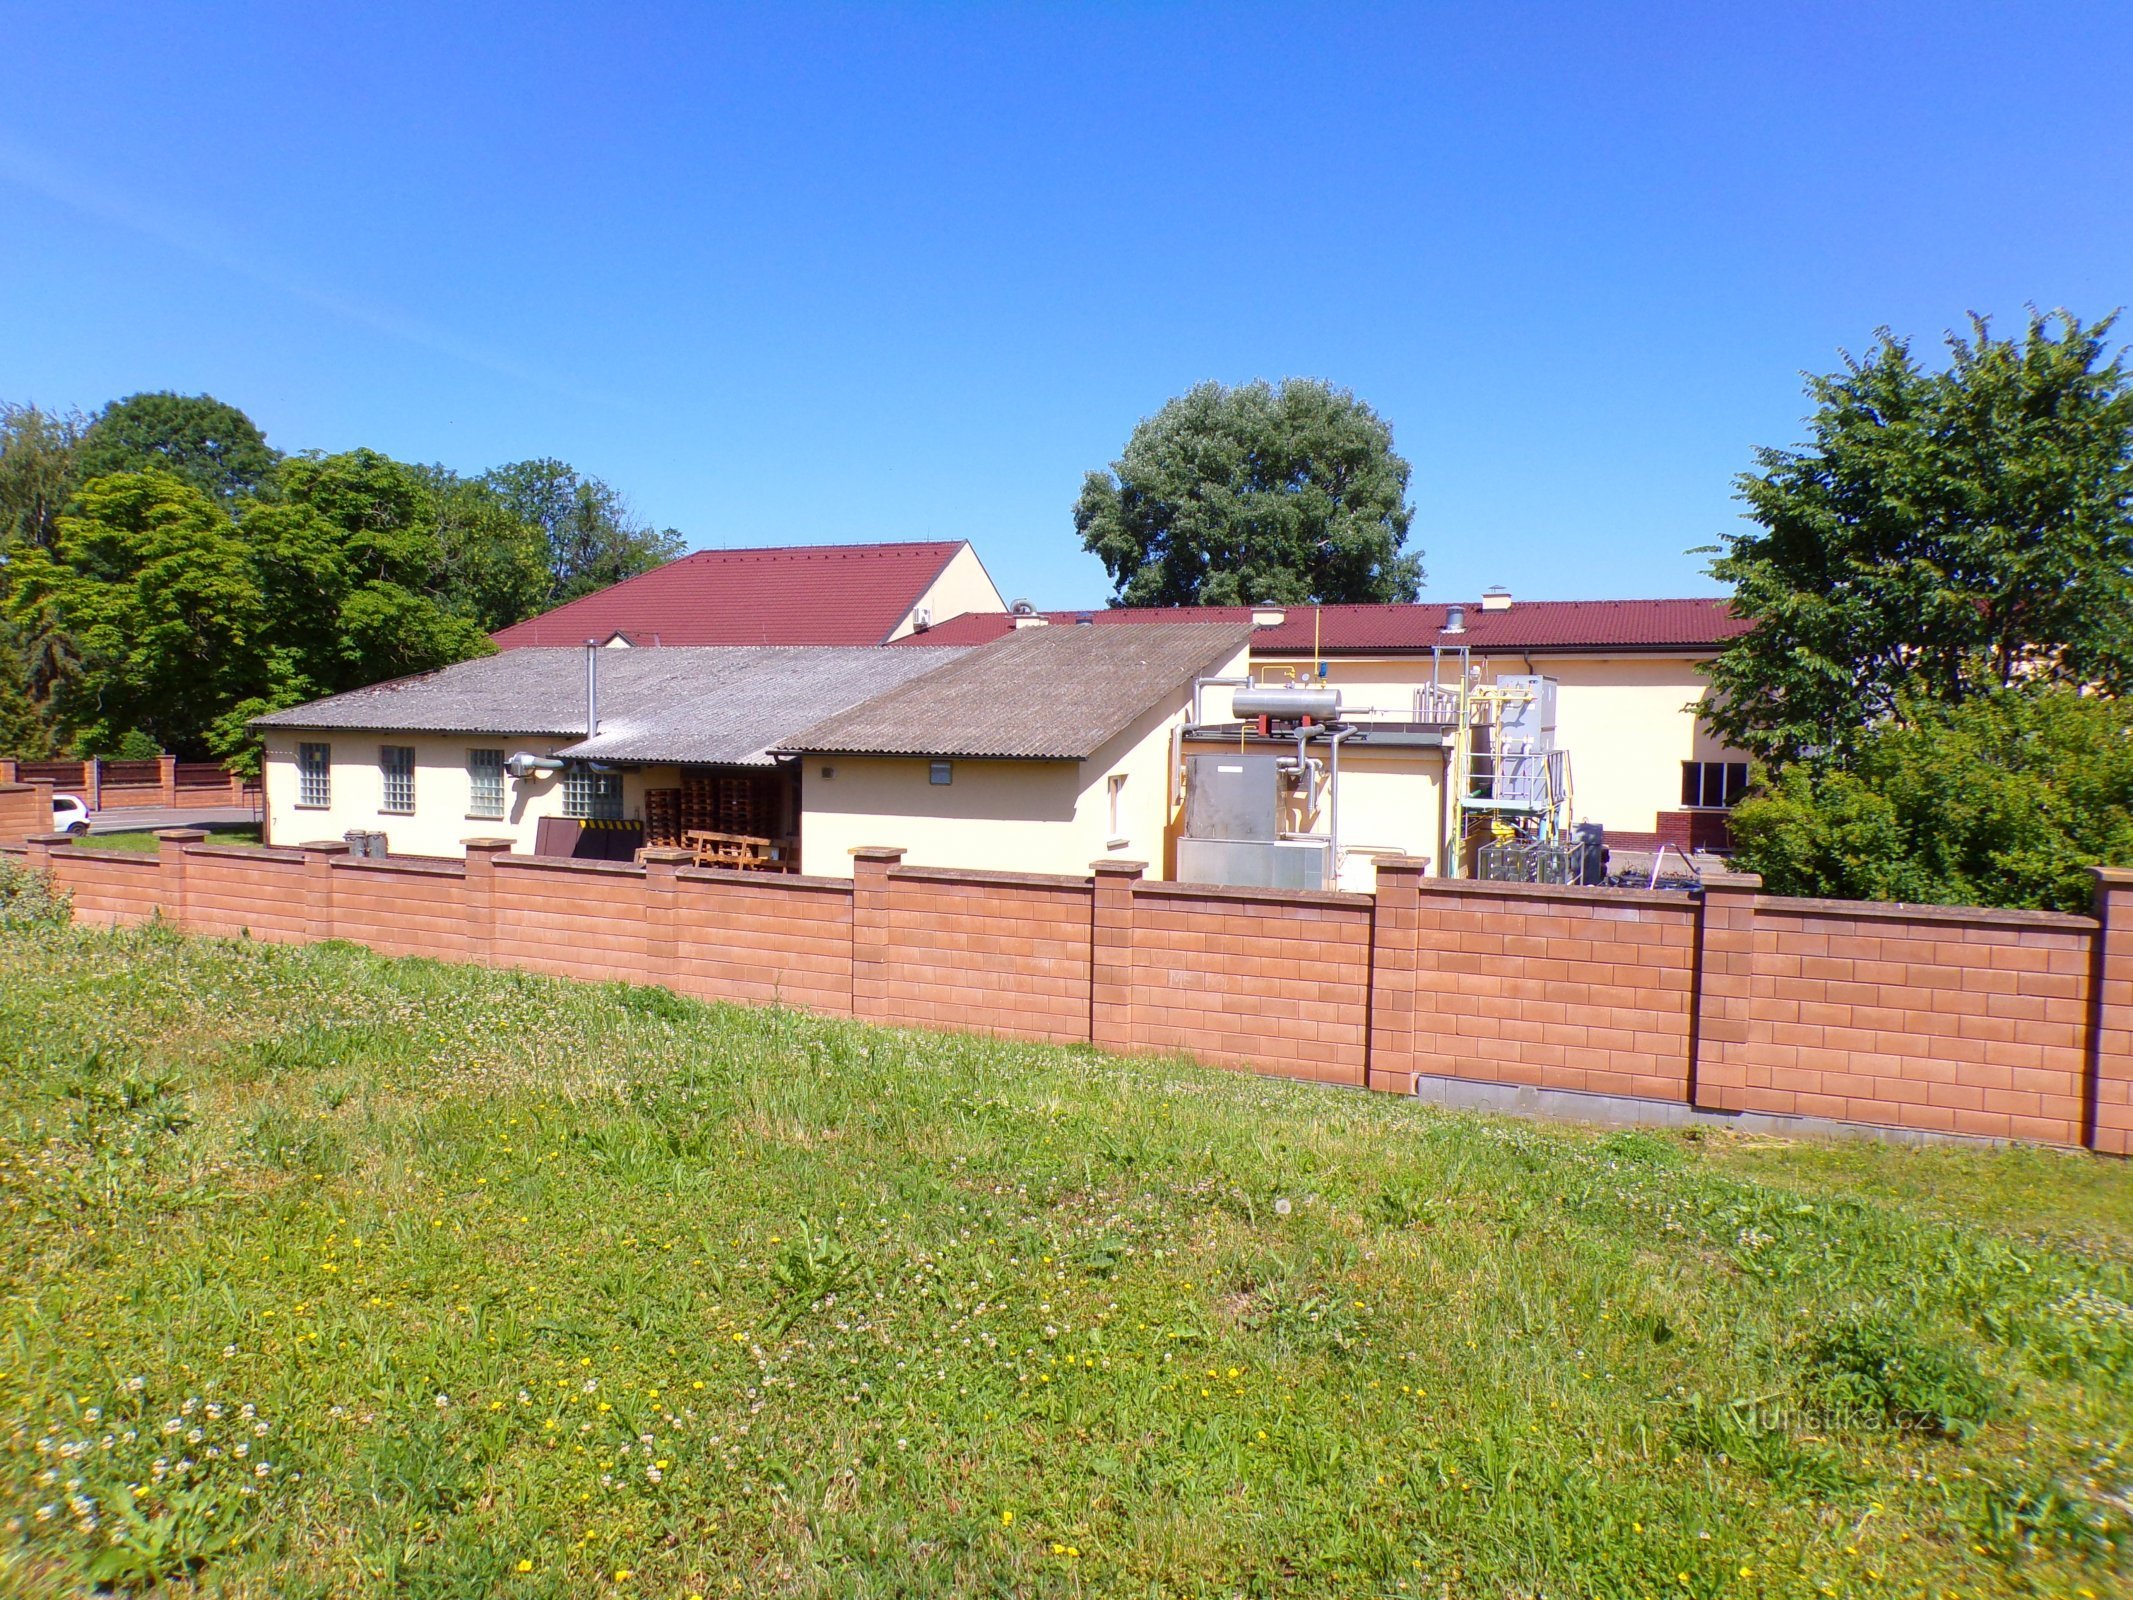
(500, 747)
(1043, 751)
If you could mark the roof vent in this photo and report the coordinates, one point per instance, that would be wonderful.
(1022, 608)
(1496, 599)
(1268, 615)
(1455, 619)
(1084, 621)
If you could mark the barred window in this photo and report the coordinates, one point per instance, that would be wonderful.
(1713, 785)
(485, 783)
(314, 775)
(397, 763)
(593, 796)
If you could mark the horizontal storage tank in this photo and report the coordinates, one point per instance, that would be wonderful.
(1287, 703)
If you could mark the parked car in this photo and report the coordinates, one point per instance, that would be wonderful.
(70, 814)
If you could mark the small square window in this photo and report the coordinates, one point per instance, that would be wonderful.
(396, 763)
(942, 772)
(591, 796)
(314, 776)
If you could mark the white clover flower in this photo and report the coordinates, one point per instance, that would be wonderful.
(443, 1400)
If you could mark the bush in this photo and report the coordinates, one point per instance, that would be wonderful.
(2004, 800)
(31, 899)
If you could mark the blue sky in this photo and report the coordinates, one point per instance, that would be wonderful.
(807, 274)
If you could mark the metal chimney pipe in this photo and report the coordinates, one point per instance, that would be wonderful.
(592, 687)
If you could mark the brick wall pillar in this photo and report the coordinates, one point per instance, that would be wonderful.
(662, 947)
(319, 857)
(1111, 953)
(1395, 952)
(2110, 1094)
(10, 770)
(1725, 970)
(170, 854)
(167, 776)
(41, 846)
(870, 928)
(480, 902)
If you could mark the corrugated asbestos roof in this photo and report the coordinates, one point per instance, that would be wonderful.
(805, 594)
(1050, 693)
(1540, 626)
(724, 706)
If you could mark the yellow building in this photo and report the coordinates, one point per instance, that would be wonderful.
(1043, 751)
(1642, 762)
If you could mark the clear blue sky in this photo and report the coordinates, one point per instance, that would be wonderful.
(809, 274)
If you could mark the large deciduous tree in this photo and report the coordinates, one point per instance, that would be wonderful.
(212, 446)
(1289, 492)
(593, 539)
(1943, 534)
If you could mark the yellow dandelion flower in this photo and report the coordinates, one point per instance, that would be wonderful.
(525, 1566)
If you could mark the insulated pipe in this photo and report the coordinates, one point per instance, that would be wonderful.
(1214, 683)
(1333, 803)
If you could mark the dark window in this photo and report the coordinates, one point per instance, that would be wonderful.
(1713, 785)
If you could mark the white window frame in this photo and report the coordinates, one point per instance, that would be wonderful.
(480, 770)
(394, 784)
(1114, 796)
(1731, 778)
(314, 775)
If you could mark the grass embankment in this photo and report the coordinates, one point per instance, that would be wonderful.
(393, 1278)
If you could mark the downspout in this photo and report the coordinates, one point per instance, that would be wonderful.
(592, 687)
(1444, 784)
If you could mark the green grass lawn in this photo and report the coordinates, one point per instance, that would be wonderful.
(332, 1275)
(145, 839)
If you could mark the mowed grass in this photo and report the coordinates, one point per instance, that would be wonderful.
(328, 1275)
(144, 839)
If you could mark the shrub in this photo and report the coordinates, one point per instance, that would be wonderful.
(31, 899)
(2004, 800)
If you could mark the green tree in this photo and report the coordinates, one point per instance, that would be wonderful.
(1288, 493)
(38, 456)
(156, 592)
(1943, 534)
(2005, 799)
(214, 447)
(592, 537)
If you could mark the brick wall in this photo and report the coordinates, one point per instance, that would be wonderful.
(25, 810)
(1556, 988)
(1954, 1020)
(1277, 982)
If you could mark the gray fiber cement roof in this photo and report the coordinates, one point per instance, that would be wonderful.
(1054, 693)
(719, 705)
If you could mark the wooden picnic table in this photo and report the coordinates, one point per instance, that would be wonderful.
(744, 852)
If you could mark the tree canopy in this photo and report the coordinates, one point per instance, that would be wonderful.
(1943, 534)
(165, 576)
(1290, 493)
(194, 437)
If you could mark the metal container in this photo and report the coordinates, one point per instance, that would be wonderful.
(1254, 863)
(1233, 797)
(364, 842)
(1287, 703)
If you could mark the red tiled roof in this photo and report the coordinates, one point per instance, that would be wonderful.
(804, 594)
(1538, 626)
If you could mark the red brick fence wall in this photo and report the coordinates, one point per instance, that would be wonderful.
(2000, 1023)
(163, 781)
